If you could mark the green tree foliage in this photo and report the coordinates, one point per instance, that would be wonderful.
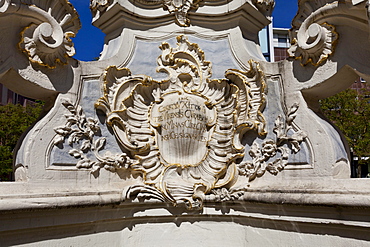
(350, 111)
(14, 120)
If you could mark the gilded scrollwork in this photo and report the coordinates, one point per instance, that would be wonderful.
(46, 40)
(184, 132)
(313, 37)
(314, 44)
(4, 4)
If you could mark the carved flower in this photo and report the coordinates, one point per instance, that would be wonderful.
(92, 127)
(269, 148)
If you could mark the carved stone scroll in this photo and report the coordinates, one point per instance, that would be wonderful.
(99, 5)
(37, 48)
(313, 40)
(46, 41)
(314, 44)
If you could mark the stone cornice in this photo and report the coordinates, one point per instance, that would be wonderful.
(329, 193)
(126, 14)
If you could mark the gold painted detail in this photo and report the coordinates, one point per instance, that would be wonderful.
(315, 44)
(80, 128)
(183, 133)
(181, 9)
(99, 5)
(47, 39)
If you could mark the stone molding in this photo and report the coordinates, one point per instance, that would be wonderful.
(266, 144)
(333, 193)
(329, 224)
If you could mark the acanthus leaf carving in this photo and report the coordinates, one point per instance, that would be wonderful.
(313, 37)
(185, 131)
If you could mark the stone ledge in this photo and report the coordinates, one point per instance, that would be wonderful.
(28, 196)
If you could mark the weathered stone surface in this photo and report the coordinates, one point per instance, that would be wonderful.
(196, 136)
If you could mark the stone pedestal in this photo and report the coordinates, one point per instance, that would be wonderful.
(181, 133)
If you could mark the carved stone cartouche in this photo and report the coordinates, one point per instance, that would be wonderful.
(185, 131)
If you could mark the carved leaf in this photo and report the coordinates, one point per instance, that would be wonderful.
(275, 167)
(279, 128)
(63, 130)
(86, 146)
(95, 166)
(69, 107)
(81, 114)
(296, 139)
(75, 153)
(99, 144)
(58, 139)
(85, 163)
(292, 114)
(71, 119)
(74, 138)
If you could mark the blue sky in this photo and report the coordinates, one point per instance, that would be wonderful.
(89, 40)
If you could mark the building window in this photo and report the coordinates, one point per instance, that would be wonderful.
(281, 40)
